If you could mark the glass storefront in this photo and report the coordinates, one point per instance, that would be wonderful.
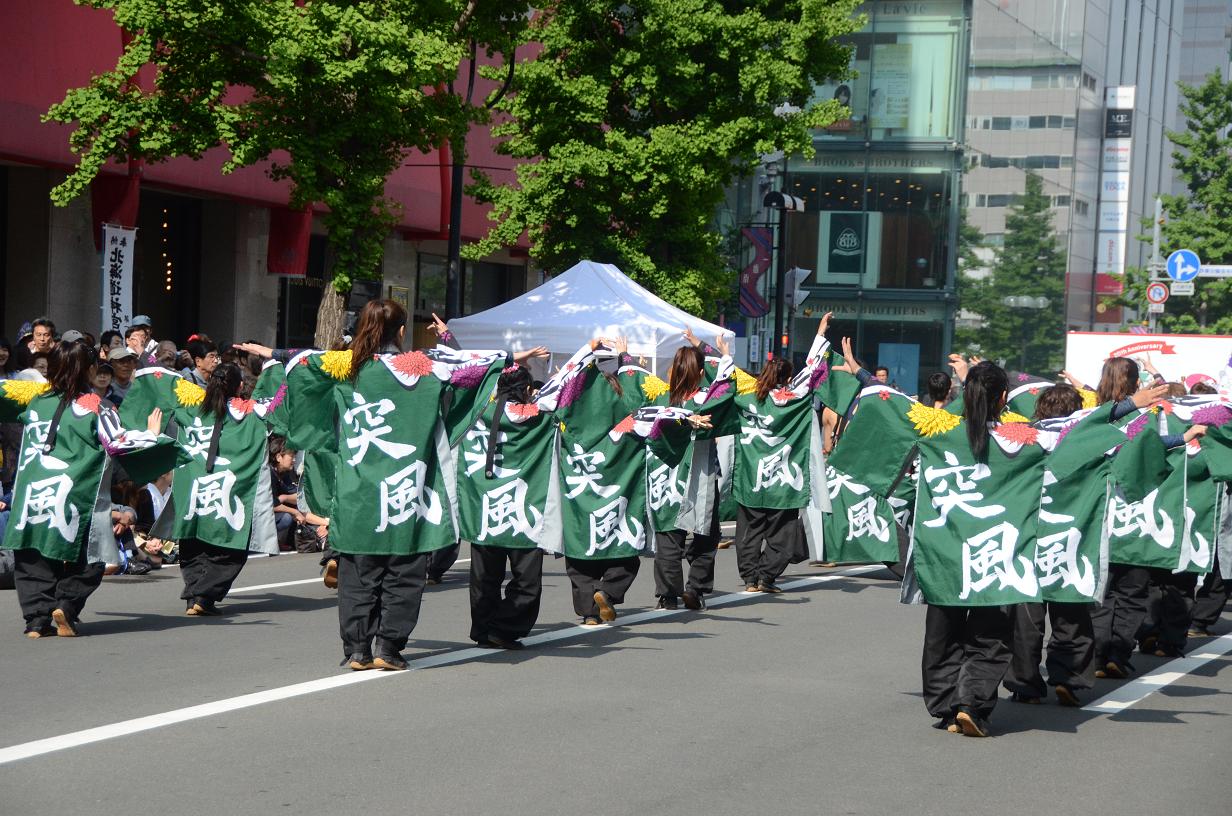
(881, 193)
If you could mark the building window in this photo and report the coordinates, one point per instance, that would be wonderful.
(1088, 82)
(1081, 207)
(1060, 201)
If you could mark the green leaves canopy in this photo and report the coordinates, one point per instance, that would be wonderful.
(1029, 263)
(331, 93)
(633, 119)
(1200, 219)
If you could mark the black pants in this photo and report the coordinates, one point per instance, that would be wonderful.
(671, 548)
(1117, 619)
(1070, 648)
(777, 528)
(1212, 598)
(966, 654)
(44, 586)
(208, 571)
(439, 561)
(1171, 616)
(611, 575)
(378, 597)
(512, 616)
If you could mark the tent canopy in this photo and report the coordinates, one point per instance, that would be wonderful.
(588, 300)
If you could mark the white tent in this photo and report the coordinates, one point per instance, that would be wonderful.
(588, 300)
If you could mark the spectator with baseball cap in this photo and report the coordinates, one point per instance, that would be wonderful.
(123, 363)
(72, 336)
(139, 337)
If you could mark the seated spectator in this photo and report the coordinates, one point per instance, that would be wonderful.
(102, 380)
(111, 339)
(123, 364)
(285, 488)
(165, 354)
(205, 359)
(39, 362)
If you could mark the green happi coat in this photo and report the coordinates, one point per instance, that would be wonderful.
(861, 524)
(62, 497)
(392, 430)
(228, 505)
(1175, 525)
(779, 463)
(682, 465)
(974, 526)
(518, 504)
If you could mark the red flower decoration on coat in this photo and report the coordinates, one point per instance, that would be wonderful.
(1034, 391)
(885, 395)
(241, 406)
(413, 364)
(625, 425)
(524, 410)
(89, 402)
(1019, 432)
(158, 375)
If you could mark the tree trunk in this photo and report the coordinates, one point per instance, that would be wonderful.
(331, 318)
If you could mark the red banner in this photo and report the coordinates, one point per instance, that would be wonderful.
(1157, 346)
(289, 234)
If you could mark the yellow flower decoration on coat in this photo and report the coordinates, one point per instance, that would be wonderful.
(337, 364)
(931, 421)
(653, 387)
(1010, 416)
(23, 391)
(188, 394)
(746, 383)
(1088, 398)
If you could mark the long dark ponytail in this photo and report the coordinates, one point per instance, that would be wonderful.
(377, 327)
(222, 386)
(513, 386)
(776, 373)
(983, 398)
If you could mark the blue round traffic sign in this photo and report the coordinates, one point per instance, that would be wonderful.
(1183, 265)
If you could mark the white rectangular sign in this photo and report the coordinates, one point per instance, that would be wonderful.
(1114, 187)
(1110, 259)
(119, 244)
(1175, 355)
(1113, 216)
(1215, 271)
(1178, 288)
(1155, 308)
(1119, 96)
(1116, 155)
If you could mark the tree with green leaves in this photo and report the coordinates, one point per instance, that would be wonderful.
(1201, 218)
(330, 95)
(1029, 264)
(633, 118)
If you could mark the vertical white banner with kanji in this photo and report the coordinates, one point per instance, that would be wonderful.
(118, 247)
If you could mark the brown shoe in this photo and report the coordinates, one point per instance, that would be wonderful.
(64, 627)
(591, 621)
(769, 589)
(1114, 671)
(1100, 674)
(192, 611)
(970, 725)
(692, 600)
(607, 612)
(331, 574)
(723, 544)
(1066, 697)
(752, 588)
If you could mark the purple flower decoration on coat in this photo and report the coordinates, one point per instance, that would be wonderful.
(571, 391)
(468, 376)
(656, 429)
(718, 390)
(277, 399)
(1137, 426)
(1023, 378)
(820, 374)
(1212, 415)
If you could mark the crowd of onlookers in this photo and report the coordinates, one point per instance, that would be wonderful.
(136, 506)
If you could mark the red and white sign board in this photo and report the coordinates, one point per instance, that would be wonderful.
(1175, 355)
(1157, 293)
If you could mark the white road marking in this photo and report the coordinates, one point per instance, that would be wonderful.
(1138, 689)
(316, 580)
(27, 750)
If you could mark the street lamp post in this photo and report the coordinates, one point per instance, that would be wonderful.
(1026, 302)
(784, 203)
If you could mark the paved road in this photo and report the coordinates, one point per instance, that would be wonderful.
(803, 703)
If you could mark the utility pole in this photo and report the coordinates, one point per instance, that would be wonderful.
(1157, 263)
